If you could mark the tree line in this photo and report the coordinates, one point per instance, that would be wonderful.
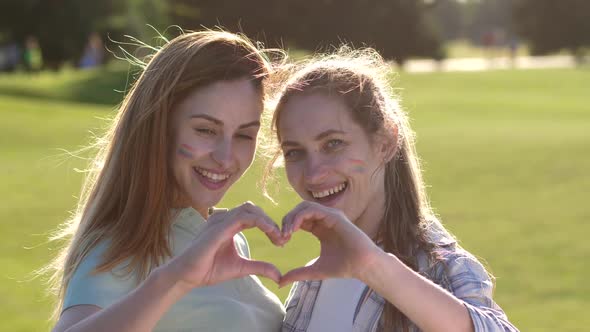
(399, 29)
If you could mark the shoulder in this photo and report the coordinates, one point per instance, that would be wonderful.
(466, 277)
(457, 261)
(87, 286)
(460, 261)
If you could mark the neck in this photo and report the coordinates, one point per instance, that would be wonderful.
(181, 203)
(204, 212)
(370, 219)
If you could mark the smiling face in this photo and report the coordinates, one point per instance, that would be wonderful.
(330, 159)
(215, 130)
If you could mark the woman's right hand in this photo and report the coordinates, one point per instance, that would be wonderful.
(212, 257)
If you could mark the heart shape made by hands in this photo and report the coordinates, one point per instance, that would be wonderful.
(344, 249)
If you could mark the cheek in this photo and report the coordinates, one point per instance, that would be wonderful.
(185, 151)
(356, 166)
(190, 146)
(245, 152)
(293, 171)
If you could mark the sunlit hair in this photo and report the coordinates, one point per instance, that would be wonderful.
(128, 195)
(360, 79)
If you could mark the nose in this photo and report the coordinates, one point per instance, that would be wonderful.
(316, 170)
(222, 154)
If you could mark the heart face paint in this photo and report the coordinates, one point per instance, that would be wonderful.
(357, 165)
(185, 150)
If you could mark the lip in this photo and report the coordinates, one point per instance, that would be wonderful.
(208, 183)
(330, 200)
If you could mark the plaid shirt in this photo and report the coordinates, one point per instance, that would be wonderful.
(458, 272)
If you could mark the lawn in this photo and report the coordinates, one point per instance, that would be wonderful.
(505, 153)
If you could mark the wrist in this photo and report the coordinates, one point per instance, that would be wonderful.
(165, 278)
(372, 264)
(384, 268)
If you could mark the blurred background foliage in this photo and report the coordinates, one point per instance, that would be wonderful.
(399, 29)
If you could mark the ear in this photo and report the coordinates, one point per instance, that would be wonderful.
(387, 144)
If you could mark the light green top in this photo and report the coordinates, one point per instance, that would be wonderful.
(236, 305)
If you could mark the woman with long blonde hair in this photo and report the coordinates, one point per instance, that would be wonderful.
(143, 250)
(386, 263)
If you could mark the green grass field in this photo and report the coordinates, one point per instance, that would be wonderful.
(506, 156)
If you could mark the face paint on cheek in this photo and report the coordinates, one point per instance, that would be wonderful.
(357, 165)
(185, 150)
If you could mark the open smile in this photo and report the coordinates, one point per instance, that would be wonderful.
(330, 195)
(211, 180)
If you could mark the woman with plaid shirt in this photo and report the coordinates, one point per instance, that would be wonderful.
(386, 263)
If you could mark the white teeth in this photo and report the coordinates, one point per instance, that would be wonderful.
(328, 192)
(213, 176)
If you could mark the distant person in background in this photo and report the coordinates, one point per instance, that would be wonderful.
(32, 57)
(386, 262)
(513, 50)
(144, 249)
(93, 55)
(10, 57)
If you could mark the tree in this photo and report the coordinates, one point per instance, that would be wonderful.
(397, 28)
(551, 26)
(62, 27)
(489, 17)
(449, 18)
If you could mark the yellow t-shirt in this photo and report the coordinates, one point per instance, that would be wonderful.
(237, 305)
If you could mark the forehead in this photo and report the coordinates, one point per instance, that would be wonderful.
(235, 101)
(306, 116)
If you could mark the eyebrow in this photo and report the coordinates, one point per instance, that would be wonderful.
(250, 124)
(328, 132)
(319, 137)
(220, 123)
(207, 117)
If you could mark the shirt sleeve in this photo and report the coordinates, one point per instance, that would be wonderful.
(99, 289)
(471, 283)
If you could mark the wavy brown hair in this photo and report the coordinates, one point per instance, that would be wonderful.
(359, 79)
(128, 194)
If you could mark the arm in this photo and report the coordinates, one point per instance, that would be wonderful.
(425, 303)
(472, 285)
(138, 311)
(211, 259)
(346, 252)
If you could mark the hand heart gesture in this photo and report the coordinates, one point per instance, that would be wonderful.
(345, 249)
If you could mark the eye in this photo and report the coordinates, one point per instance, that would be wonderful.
(245, 136)
(292, 154)
(205, 131)
(334, 144)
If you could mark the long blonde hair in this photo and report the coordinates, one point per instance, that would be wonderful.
(359, 79)
(129, 191)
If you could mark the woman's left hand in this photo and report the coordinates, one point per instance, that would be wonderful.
(345, 249)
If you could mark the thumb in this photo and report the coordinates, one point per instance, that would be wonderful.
(301, 273)
(260, 268)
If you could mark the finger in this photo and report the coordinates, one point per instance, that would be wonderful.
(254, 209)
(259, 211)
(288, 218)
(246, 220)
(309, 217)
(218, 215)
(285, 222)
(301, 273)
(262, 269)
